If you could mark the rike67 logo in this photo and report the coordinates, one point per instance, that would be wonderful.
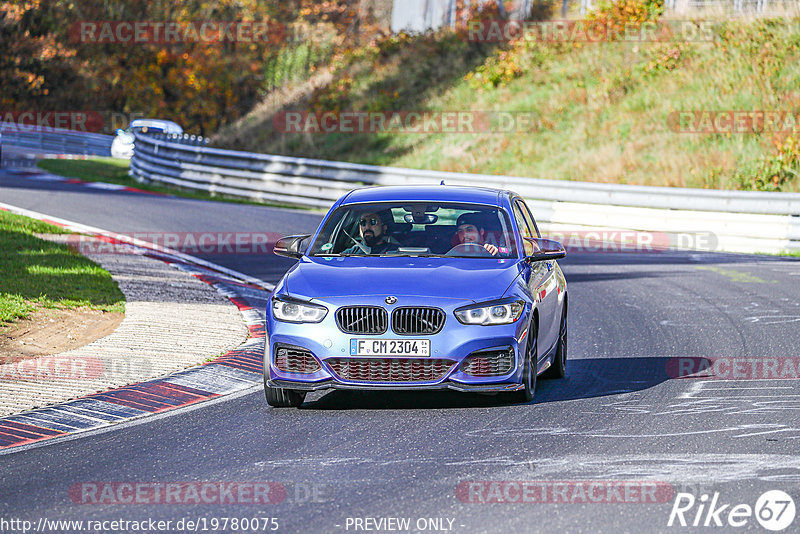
(774, 510)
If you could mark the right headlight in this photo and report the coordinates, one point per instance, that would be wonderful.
(491, 313)
(293, 311)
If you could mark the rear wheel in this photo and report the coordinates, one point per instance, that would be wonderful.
(529, 371)
(283, 398)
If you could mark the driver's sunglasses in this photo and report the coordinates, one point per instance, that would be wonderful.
(371, 222)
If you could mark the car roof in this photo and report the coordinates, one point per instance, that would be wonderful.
(426, 193)
(155, 123)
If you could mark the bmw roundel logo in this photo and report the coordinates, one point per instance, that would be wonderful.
(391, 300)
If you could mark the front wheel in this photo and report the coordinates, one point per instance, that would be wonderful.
(283, 398)
(529, 371)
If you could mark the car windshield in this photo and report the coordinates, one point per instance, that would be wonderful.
(417, 229)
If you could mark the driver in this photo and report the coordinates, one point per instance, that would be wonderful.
(472, 230)
(373, 236)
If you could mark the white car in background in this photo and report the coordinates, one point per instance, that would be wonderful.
(122, 146)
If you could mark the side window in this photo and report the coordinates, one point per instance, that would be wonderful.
(524, 228)
(526, 213)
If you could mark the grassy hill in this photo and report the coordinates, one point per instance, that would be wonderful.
(603, 111)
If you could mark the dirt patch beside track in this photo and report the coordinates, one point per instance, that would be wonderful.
(51, 331)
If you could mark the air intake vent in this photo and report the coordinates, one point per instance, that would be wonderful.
(489, 363)
(295, 360)
(390, 369)
(417, 321)
(362, 320)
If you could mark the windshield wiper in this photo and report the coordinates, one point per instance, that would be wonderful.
(347, 255)
(335, 255)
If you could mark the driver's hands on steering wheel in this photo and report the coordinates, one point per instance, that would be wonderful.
(491, 249)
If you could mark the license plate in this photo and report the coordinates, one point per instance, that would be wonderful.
(390, 347)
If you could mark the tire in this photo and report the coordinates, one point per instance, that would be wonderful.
(559, 367)
(529, 373)
(283, 398)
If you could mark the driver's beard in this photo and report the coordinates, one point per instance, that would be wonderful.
(372, 240)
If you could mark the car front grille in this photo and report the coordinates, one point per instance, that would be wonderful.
(390, 369)
(362, 320)
(489, 363)
(416, 321)
(295, 360)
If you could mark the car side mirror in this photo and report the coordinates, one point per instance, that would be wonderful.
(545, 249)
(291, 246)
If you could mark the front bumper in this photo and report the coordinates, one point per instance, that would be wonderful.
(455, 342)
(335, 384)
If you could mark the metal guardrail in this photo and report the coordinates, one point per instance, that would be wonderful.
(740, 220)
(55, 140)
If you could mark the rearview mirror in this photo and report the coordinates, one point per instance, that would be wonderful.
(545, 249)
(421, 218)
(291, 246)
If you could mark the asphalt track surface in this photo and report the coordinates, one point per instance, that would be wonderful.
(619, 415)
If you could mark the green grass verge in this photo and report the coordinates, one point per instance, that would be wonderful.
(115, 171)
(604, 111)
(109, 170)
(41, 274)
(788, 253)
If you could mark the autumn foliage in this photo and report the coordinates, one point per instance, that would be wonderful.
(201, 85)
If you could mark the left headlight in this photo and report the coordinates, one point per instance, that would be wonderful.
(501, 312)
(293, 311)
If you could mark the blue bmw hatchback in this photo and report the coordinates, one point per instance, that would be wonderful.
(418, 287)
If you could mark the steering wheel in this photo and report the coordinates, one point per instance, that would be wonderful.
(469, 249)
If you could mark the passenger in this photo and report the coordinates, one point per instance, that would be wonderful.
(472, 230)
(373, 236)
